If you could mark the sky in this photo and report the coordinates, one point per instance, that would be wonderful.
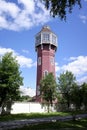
(21, 20)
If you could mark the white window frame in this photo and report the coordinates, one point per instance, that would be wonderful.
(53, 39)
(46, 37)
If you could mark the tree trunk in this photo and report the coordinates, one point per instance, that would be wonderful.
(48, 107)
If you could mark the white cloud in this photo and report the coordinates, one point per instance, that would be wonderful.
(57, 68)
(27, 91)
(8, 8)
(83, 18)
(23, 15)
(4, 50)
(77, 66)
(25, 51)
(22, 60)
(3, 22)
(72, 58)
(29, 5)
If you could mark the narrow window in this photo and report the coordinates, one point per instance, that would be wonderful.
(54, 39)
(45, 73)
(39, 60)
(52, 60)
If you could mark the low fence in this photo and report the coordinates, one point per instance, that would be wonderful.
(26, 107)
(29, 107)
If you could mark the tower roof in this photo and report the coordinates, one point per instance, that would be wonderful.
(46, 29)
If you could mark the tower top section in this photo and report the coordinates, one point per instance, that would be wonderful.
(45, 36)
(45, 29)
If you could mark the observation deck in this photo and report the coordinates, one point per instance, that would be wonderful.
(46, 36)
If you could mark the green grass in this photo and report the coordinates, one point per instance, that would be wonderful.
(47, 126)
(35, 115)
(80, 124)
(31, 116)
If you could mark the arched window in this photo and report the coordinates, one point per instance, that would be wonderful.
(45, 73)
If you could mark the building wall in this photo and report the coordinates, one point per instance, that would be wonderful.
(28, 107)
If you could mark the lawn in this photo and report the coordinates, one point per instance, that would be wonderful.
(35, 115)
(31, 115)
(78, 124)
(68, 125)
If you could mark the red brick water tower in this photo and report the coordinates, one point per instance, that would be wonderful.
(46, 46)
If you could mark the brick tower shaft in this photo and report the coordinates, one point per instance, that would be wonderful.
(46, 45)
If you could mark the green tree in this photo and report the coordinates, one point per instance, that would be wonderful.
(61, 7)
(65, 83)
(84, 94)
(25, 98)
(48, 90)
(76, 96)
(10, 80)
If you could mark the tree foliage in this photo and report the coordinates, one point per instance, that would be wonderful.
(48, 89)
(84, 94)
(61, 7)
(25, 98)
(79, 96)
(69, 92)
(10, 79)
(76, 96)
(65, 83)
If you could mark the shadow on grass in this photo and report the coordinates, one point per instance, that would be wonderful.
(67, 125)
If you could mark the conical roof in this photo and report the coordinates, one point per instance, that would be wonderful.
(46, 29)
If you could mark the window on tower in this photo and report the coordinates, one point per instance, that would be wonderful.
(45, 73)
(38, 39)
(52, 60)
(46, 37)
(53, 39)
(39, 60)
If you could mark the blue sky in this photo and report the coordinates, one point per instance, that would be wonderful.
(21, 20)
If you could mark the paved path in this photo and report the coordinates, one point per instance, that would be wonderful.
(8, 125)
